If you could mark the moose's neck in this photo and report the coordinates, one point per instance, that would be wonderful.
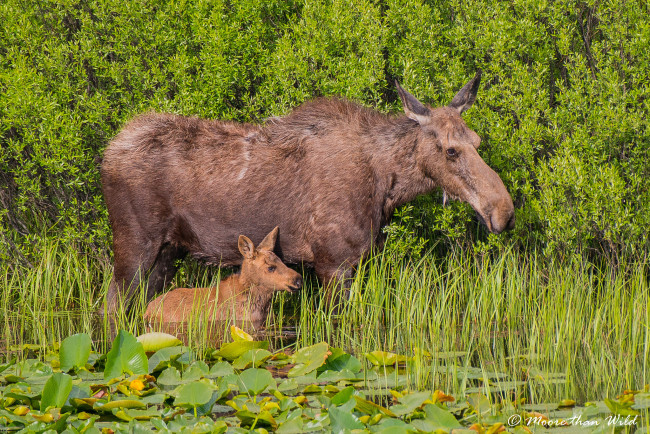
(399, 174)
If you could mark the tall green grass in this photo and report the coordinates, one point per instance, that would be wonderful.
(506, 324)
(529, 327)
(58, 296)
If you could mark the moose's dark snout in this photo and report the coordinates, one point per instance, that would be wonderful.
(499, 223)
(297, 284)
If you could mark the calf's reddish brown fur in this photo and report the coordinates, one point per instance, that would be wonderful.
(243, 298)
(330, 174)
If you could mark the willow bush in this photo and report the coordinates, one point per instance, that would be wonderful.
(562, 110)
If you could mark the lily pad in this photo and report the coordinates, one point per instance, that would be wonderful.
(165, 357)
(309, 359)
(342, 420)
(126, 356)
(220, 369)
(74, 351)
(339, 360)
(129, 414)
(156, 341)
(238, 334)
(119, 403)
(233, 350)
(383, 358)
(409, 402)
(194, 394)
(251, 358)
(371, 408)
(262, 419)
(169, 377)
(56, 391)
(343, 396)
(255, 381)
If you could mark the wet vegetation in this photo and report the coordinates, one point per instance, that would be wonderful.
(522, 336)
(153, 383)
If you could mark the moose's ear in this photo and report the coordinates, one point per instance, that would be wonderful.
(246, 247)
(268, 243)
(413, 108)
(467, 95)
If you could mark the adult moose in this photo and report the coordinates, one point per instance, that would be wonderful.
(329, 174)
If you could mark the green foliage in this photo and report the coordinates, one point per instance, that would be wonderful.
(75, 351)
(126, 356)
(56, 391)
(563, 107)
(252, 399)
(156, 341)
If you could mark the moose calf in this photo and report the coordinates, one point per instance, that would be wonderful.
(244, 297)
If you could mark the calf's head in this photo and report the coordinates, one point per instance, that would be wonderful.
(447, 154)
(263, 270)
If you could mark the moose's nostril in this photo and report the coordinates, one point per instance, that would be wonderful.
(298, 282)
(511, 222)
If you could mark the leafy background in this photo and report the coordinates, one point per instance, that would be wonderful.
(562, 110)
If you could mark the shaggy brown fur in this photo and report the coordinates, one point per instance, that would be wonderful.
(330, 174)
(243, 297)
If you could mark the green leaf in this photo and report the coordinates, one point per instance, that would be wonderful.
(441, 418)
(164, 357)
(383, 358)
(255, 381)
(156, 341)
(334, 376)
(75, 351)
(238, 334)
(371, 408)
(343, 396)
(169, 377)
(129, 414)
(480, 403)
(251, 358)
(195, 371)
(410, 402)
(126, 356)
(264, 418)
(194, 394)
(309, 359)
(221, 392)
(220, 369)
(620, 409)
(393, 426)
(233, 350)
(119, 403)
(56, 391)
(342, 420)
(340, 360)
(291, 426)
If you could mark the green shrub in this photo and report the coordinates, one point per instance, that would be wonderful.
(562, 110)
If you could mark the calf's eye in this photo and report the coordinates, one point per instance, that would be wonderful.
(451, 152)
(272, 268)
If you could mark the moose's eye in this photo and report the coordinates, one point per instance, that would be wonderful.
(272, 268)
(451, 152)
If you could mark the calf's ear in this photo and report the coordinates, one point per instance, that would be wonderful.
(246, 247)
(268, 243)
